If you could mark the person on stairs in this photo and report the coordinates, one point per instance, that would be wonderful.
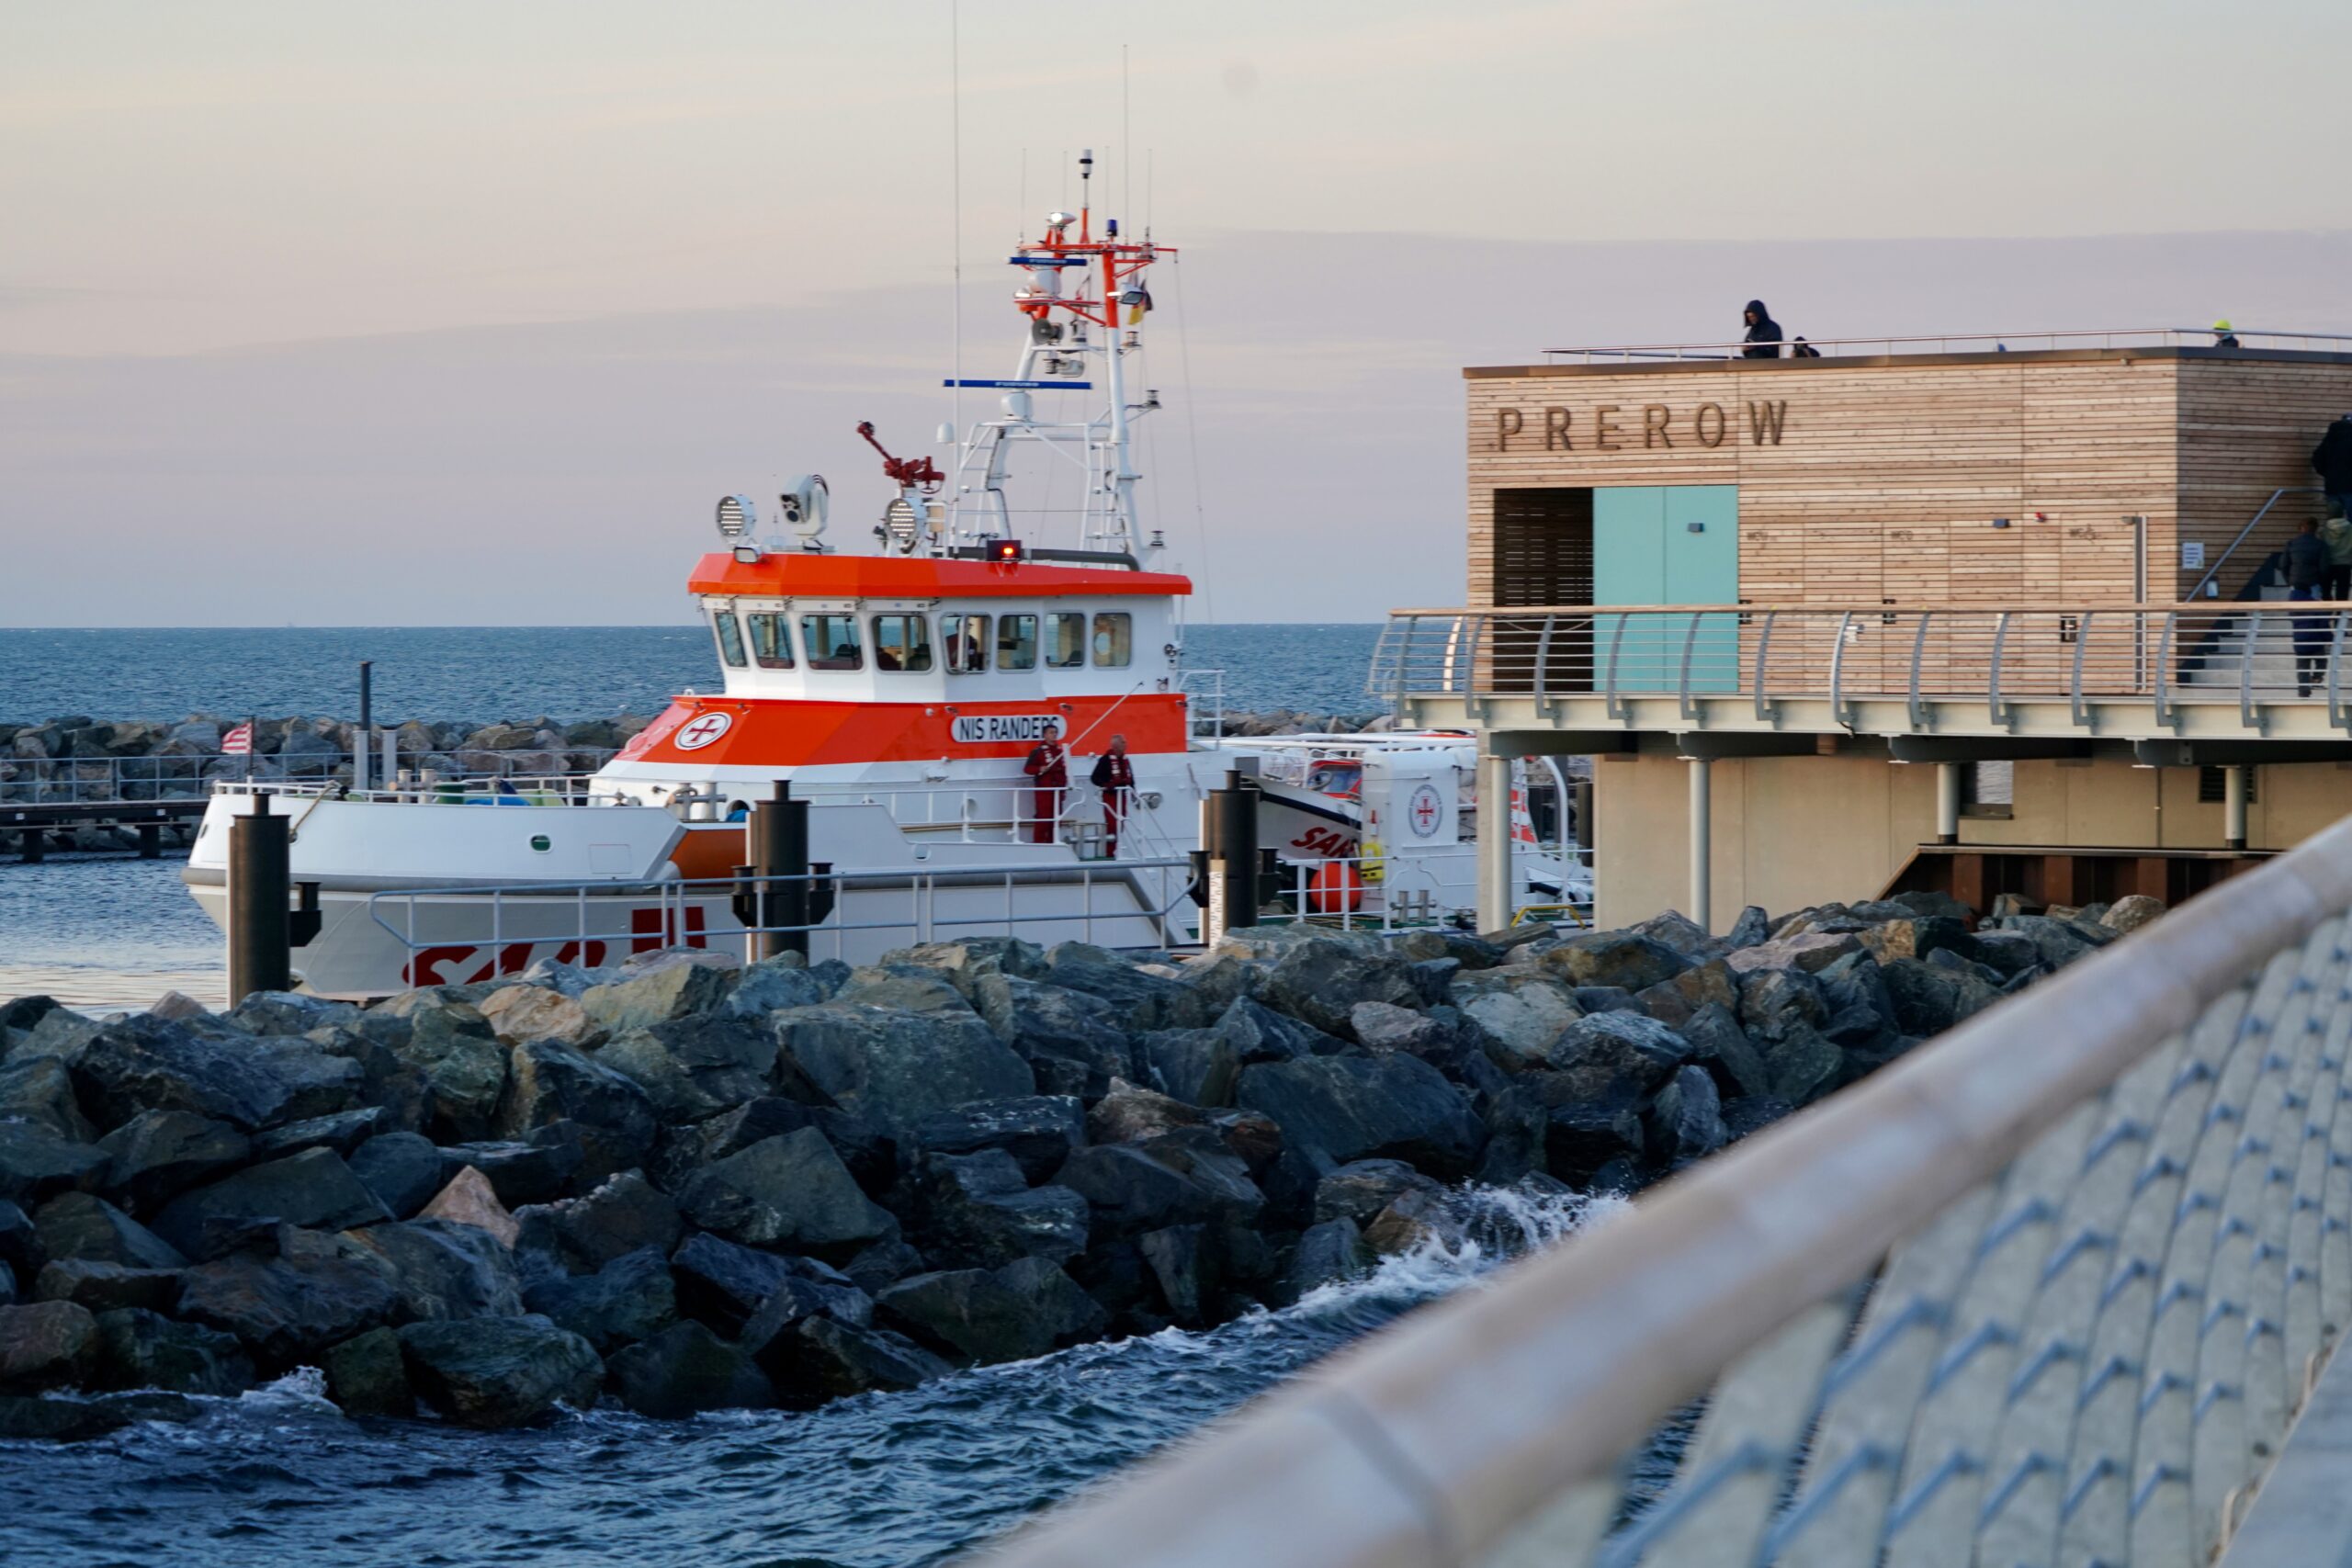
(2306, 580)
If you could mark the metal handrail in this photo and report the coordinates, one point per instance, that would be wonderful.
(1500, 1426)
(2099, 337)
(2251, 523)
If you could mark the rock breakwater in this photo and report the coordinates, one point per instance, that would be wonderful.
(683, 1186)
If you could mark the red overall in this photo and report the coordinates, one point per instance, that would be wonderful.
(1050, 765)
(1116, 777)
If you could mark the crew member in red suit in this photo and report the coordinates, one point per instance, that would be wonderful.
(1050, 765)
(1115, 776)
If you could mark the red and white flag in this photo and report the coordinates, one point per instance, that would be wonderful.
(238, 742)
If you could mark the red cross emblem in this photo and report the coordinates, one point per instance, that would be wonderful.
(701, 731)
(1424, 808)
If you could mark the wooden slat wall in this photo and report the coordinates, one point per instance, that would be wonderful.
(2247, 428)
(1887, 475)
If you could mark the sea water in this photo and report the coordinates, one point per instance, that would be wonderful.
(278, 1477)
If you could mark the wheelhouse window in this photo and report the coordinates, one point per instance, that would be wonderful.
(901, 642)
(1016, 642)
(966, 639)
(731, 638)
(1114, 640)
(831, 642)
(771, 640)
(1065, 639)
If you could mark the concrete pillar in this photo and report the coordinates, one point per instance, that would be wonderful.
(2235, 789)
(1948, 801)
(1702, 842)
(1495, 888)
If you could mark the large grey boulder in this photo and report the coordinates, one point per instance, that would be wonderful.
(366, 1375)
(897, 1067)
(1354, 1108)
(2131, 912)
(550, 1083)
(1008, 1314)
(626, 1300)
(869, 1150)
(463, 1065)
(1916, 936)
(146, 1062)
(818, 1359)
(698, 1066)
(313, 1190)
(1320, 981)
(1130, 1187)
(47, 1345)
(1809, 951)
(1622, 959)
(1139, 1001)
(39, 1090)
(517, 1013)
(139, 1348)
(1037, 1131)
(80, 1227)
(533, 1172)
(1616, 1055)
(580, 1235)
(685, 1370)
(791, 1190)
(102, 1287)
(443, 1269)
(1686, 1124)
(1329, 1252)
(341, 1131)
(1707, 983)
(35, 1163)
(1775, 1002)
(978, 1211)
(1929, 1000)
(502, 1372)
(316, 1082)
(1361, 1188)
(1521, 1010)
(286, 1310)
(403, 1170)
(1719, 1044)
(657, 995)
(1072, 1041)
(1583, 1138)
(1803, 1066)
(774, 984)
(722, 1283)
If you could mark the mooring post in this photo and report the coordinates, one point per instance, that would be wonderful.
(2235, 782)
(778, 849)
(1948, 801)
(32, 846)
(1229, 833)
(260, 877)
(1703, 849)
(363, 752)
(150, 841)
(1496, 884)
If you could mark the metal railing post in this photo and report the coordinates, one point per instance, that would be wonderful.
(2082, 641)
(1918, 710)
(1994, 712)
(2245, 664)
(1838, 671)
(1689, 642)
(2165, 714)
(1763, 653)
(1609, 693)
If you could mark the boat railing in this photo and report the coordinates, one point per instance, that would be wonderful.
(2095, 668)
(503, 929)
(1413, 889)
(1887, 346)
(2052, 1287)
(1204, 692)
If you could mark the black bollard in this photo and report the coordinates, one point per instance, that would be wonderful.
(1229, 826)
(260, 877)
(150, 841)
(32, 846)
(777, 843)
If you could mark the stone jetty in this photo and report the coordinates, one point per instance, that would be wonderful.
(682, 1185)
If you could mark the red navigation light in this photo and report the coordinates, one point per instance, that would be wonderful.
(1004, 552)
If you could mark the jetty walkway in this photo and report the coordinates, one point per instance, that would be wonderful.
(2063, 1285)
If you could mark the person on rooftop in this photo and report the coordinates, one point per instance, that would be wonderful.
(2333, 460)
(2224, 335)
(1763, 337)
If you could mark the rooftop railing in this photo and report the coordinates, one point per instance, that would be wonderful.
(2051, 1289)
(2097, 669)
(1964, 343)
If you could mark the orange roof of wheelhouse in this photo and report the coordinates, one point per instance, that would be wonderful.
(808, 575)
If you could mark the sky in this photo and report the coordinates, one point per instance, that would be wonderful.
(467, 313)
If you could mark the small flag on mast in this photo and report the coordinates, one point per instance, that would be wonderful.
(238, 742)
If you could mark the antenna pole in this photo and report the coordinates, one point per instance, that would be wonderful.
(956, 174)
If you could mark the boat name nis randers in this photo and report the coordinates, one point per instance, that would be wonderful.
(996, 728)
(1613, 427)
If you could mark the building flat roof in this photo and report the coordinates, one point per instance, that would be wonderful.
(1665, 360)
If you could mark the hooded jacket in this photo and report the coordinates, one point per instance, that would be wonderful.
(2333, 457)
(1765, 335)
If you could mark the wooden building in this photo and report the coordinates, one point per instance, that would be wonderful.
(1898, 529)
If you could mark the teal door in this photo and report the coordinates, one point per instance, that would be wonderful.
(1666, 545)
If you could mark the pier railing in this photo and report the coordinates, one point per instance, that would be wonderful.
(2099, 669)
(1884, 347)
(2051, 1289)
(73, 781)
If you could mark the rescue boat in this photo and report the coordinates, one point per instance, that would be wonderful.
(940, 697)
